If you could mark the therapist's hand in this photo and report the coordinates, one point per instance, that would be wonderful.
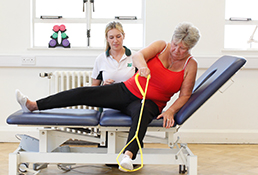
(108, 81)
(168, 119)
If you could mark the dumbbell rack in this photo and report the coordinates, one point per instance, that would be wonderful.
(64, 38)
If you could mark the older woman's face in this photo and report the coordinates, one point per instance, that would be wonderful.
(115, 39)
(178, 50)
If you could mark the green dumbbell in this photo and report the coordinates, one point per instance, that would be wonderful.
(63, 35)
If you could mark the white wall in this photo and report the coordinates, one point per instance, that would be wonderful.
(228, 117)
(163, 15)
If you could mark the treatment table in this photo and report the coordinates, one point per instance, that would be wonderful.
(109, 130)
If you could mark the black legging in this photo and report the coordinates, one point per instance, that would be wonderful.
(115, 96)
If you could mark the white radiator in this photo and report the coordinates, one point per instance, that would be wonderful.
(65, 80)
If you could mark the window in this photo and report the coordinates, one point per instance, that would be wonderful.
(85, 21)
(241, 21)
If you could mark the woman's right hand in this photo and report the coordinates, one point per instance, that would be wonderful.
(144, 72)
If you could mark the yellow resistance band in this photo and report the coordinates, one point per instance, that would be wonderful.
(139, 123)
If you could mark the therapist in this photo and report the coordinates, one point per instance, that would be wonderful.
(115, 64)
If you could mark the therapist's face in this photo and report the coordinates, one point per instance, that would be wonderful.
(115, 39)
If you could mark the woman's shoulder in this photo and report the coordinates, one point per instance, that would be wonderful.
(191, 65)
(193, 61)
(155, 47)
(159, 43)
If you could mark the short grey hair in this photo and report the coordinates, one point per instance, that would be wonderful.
(187, 33)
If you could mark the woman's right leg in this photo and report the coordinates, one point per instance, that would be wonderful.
(115, 96)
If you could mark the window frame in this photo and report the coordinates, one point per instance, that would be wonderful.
(240, 23)
(88, 20)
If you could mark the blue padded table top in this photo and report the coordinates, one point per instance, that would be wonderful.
(113, 117)
(64, 117)
(75, 117)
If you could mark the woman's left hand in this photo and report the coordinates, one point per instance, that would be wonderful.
(168, 119)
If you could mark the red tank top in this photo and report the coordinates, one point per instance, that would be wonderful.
(163, 83)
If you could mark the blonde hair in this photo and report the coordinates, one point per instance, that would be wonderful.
(187, 33)
(113, 25)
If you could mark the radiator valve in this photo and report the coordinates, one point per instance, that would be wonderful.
(45, 74)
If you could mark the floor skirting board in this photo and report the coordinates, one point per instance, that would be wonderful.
(219, 136)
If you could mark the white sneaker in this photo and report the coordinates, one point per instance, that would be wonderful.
(21, 99)
(126, 163)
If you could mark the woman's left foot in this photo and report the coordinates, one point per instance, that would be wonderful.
(126, 163)
(21, 99)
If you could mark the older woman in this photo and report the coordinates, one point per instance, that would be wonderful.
(115, 64)
(172, 68)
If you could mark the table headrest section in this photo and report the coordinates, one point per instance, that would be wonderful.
(208, 83)
(111, 117)
(61, 117)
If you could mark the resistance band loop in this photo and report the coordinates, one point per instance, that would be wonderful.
(139, 123)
